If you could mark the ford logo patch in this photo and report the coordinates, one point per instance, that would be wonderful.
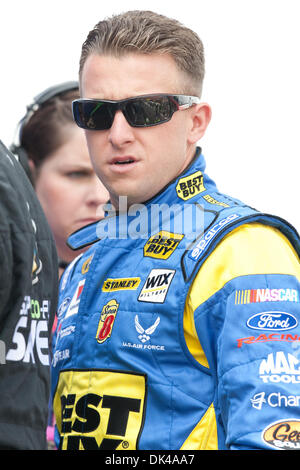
(272, 321)
(63, 306)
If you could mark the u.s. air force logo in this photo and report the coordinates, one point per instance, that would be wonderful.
(99, 409)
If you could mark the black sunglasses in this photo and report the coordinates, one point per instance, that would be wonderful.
(140, 111)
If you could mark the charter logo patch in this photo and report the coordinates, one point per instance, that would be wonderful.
(275, 400)
(162, 245)
(156, 286)
(130, 283)
(99, 410)
(284, 435)
(106, 322)
(190, 186)
(249, 296)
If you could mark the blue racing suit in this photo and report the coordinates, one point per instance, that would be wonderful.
(180, 328)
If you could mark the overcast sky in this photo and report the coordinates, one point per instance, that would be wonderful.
(252, 81)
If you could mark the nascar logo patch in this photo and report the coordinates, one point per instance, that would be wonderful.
(249, 296)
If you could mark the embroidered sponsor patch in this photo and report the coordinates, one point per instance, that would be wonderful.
(207, 238)
(274, 399)
(74, 304)
(280, 367)
(284, 434)
(106, 322)
(272, 321)
(190, 186)
(144, 335)
(100, 409)
(63, 306)
(86, 265)
(157, 285)
(264, 338)
(212, 200)
(130, 283)
(249, 296)
(162, 244)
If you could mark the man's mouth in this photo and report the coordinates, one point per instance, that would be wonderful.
(122, 162)
(126, 160)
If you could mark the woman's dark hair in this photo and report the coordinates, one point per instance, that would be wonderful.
(45, 131)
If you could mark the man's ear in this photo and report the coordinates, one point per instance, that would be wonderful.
(200, 118)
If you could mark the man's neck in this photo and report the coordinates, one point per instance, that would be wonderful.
(122, 203)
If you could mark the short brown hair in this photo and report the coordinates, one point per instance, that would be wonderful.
(146, 32)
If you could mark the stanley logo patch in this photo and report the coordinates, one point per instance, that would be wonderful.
(106, 322)
(190, 186)
(130, 283)
(162, 245)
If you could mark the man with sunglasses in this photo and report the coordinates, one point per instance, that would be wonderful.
(171, 334)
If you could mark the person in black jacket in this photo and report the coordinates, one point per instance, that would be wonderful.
(28, 299)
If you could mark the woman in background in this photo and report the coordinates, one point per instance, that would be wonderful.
(55, 152)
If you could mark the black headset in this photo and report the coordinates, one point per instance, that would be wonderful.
(38, 101)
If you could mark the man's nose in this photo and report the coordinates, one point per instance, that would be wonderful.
(120, 133)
